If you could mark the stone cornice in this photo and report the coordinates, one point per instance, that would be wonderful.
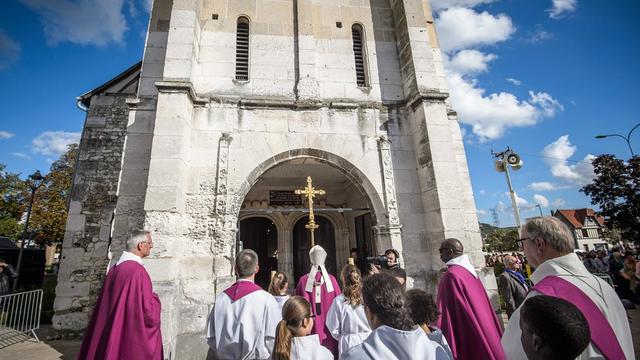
(181, 87)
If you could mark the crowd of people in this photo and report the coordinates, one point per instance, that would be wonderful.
(564, 311)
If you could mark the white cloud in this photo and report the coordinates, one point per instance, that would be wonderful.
(481, 212)
(538, 34)
(515, 82)
(558, 203)
(71, 21)
(463, 28)
(444, 4)
(469, 62)
(9, 50)
(21, 155)
(500, 207)
(541, 200)
(545, 186)
(556, 156)
(521, 202)
(545, 103)
(4, 135)
(491, 115)
(560, 8)
(482, 192)
(54, 142)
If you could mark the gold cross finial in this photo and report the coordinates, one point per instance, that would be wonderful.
(310, 192)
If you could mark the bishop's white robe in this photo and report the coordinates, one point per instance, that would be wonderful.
(244, 328)
(390, 344)
(570, 268)
(309, 348)
(347, 324)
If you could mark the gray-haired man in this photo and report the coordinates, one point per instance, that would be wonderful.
(548, 245)
(242, 324)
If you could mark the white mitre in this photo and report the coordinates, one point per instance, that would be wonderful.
(317, 255)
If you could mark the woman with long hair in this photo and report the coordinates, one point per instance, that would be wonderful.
(394, 335)
(279, 288)
(346, 319)
(292, 334)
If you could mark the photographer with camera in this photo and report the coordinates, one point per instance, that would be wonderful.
(389, 262)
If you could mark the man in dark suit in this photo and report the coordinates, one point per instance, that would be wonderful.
(511, 284)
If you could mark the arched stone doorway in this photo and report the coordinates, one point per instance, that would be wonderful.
(261, 235)
(350, 197)
(324, 236)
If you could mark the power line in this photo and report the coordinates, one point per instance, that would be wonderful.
(555, 158)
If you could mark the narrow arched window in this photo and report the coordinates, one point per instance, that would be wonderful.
(242, 49)
(358, 53)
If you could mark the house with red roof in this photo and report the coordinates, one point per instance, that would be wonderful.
(587, 227)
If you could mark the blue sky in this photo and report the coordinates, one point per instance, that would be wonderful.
(540, 76)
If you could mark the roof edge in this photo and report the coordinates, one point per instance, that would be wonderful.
(85, 98)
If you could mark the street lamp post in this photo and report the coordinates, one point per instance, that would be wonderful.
(35, 181)
(504, 160)
(626, 138)
(539, 208)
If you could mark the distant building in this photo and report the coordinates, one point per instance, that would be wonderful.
(587, 227)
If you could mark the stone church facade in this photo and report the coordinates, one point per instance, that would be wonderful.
(234, 104)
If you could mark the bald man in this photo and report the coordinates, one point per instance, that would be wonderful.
(467, 319)
(511, 284)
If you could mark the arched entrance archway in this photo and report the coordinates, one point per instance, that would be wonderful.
(260, 235)
(324, 236)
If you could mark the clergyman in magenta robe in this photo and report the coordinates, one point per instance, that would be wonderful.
(328, 290)
(126, 320)
(467, 318)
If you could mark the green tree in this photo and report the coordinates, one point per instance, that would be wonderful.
(616, 191)
(12, 204)
(502, 239)
(49, 213)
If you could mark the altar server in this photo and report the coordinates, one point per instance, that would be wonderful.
(242, 324)
(395, 335)
(293, 336)
(346, 319)
(279, 288)
(319, 288)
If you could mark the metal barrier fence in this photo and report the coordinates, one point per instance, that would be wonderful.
(19, 315)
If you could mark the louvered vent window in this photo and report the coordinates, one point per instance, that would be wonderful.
(242, 49)
(358, 51)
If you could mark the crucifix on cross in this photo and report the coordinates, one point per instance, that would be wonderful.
(310, 192)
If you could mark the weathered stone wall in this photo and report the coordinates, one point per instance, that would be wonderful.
(93, 199)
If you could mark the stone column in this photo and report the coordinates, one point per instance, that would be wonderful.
(389, 235)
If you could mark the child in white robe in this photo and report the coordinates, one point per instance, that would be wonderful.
(424, 312)
(394, 335)
(346, 319)
(279, 288)
(293, 341)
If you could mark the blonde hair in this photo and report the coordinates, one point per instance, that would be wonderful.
(279, 283)
(294, 311)
(351, 285)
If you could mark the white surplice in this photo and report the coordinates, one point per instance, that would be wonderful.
(309, 348)
(281, 299)
(390, 344)
(245, 328)
(347, 324)
(570, 268)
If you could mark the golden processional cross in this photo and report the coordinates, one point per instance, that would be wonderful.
(310, 192)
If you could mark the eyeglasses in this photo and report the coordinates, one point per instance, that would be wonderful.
(520, 242)
(311, 316)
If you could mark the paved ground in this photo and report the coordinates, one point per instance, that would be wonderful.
(59, 349)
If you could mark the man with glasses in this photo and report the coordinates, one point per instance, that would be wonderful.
(126, 320)
(548, 245)
(467, 319)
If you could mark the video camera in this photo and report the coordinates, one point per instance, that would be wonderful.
(380, 260)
